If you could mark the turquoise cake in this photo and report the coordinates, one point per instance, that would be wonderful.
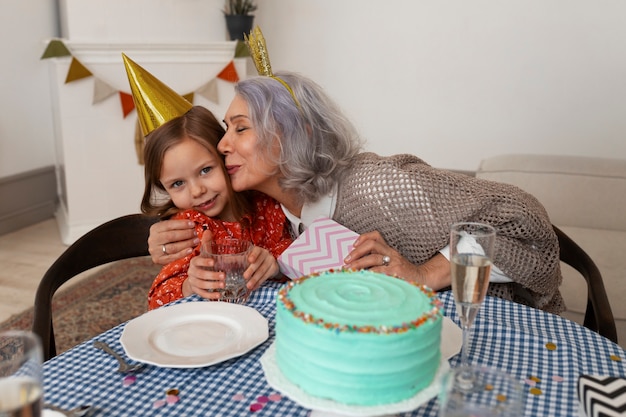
(358, 337)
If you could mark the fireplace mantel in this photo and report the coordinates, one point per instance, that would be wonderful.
(98, 174)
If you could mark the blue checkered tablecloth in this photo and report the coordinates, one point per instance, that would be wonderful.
(507, 336)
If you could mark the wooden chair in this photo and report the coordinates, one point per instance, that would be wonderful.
(598, 314)
(121, 238)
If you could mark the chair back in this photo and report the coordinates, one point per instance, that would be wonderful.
(121, 238)
(598, 314)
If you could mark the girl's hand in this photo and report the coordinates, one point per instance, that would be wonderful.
(262, 267)
(170, 240)
(372, 252)
(201, 281)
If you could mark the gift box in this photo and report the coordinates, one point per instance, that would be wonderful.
(602, 396)
(322, 246)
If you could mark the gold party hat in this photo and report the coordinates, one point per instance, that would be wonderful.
(155, 102)
(261, 58)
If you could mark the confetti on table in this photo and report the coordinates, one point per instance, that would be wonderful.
(171, 399)
(263, 399)
(535, 391)
(550, 346)
(275, 397)
(558, 378)
(256, 407)
(158, 403)
(534, 378)
(172, 391)
(129, 380)
(239, 397)
(615, 358)
(488, 387)
(501, 398)
(530, 382)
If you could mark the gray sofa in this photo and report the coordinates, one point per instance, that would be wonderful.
(586, 198)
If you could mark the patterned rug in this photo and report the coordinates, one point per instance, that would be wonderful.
(112, 295)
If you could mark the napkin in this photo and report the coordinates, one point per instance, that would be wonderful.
(602, 396)
(322, 246)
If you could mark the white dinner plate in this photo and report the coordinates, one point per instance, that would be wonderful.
(194, 335)
(46, 412)
(451, 338)
(451, 341)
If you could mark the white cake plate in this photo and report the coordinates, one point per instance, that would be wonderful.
(329, 408)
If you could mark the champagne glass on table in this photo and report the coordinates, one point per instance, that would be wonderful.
(471, 254)
(21, 374)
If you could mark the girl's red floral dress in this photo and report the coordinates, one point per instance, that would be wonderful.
(268, 229)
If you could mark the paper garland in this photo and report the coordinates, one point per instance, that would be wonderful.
(77, 71)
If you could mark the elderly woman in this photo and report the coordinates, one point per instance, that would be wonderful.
(286, 138)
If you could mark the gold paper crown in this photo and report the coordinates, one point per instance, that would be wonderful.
(261, 59)
(155, 102)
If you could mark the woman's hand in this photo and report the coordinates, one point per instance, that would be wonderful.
(262, 267)
(200, 280)
(171, 239)
(372, 252)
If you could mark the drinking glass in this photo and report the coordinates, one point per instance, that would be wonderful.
(231, 257)
(21, 374)
(497, 394)
(471, 254)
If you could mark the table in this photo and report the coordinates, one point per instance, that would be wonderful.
(507, 335)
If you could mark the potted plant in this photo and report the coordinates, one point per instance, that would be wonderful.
(238, 17)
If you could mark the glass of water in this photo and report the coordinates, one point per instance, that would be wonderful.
(231, 257)
(21, 374)
(496, 394)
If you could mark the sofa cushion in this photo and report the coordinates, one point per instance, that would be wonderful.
(605, 247)
(576, 191)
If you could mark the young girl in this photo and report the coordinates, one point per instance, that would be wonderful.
(186, 179)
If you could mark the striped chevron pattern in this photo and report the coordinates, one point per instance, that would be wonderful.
(322, 246)
(602, 396)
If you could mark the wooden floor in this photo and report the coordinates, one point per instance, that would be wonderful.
(25, 255)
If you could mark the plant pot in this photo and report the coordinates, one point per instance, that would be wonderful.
(238, 24)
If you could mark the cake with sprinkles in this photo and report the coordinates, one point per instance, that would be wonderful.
(358, 337)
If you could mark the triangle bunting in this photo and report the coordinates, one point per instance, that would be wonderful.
(128, 104)
(209, 91)
(55, 49)
(101, 91)
(229, 73)
(77, 71)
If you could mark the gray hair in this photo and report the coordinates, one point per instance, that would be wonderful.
(317, 142)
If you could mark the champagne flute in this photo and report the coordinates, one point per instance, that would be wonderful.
(497, 394)
(471, 253)
(21, 374)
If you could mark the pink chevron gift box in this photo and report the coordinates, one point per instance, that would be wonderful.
(322, 246)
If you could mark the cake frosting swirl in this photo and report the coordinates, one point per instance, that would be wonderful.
(358, 337)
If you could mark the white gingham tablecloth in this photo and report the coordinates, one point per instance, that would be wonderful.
(508, 336)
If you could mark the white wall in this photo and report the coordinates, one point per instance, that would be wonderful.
(454, 81)
(26, 132)
(449, 80)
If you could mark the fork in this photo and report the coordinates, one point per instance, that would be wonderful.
(125, 367)
(79, 411)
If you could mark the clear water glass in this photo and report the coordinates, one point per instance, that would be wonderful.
(231, 257)
(496, 394)
(21, 374)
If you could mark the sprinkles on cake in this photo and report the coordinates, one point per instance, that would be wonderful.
(435, 312)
